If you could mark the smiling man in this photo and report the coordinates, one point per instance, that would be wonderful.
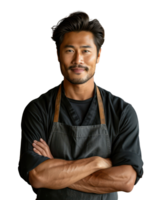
(79, 141)
(78, 62)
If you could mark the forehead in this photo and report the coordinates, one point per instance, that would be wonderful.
(78, 38)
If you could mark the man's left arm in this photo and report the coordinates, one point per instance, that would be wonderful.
(113, 179)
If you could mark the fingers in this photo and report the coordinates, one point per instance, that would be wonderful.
(36, 151)
(40, 147)
(42, 140)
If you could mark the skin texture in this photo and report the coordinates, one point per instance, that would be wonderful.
(107, 180)
(78, 86)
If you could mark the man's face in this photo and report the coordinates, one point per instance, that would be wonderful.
(78, 57)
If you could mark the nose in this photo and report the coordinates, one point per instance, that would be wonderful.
(78, 60)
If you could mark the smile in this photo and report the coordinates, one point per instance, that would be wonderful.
(77, 70)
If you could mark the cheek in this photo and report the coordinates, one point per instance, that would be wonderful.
(66, 60)
(90, 60)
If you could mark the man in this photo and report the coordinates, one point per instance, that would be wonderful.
(79, 78)
(78, 140)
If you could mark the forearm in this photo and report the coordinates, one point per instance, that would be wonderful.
(107, 180)
(58, 173)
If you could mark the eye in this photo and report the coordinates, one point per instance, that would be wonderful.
(69, 50)
(86, 50)
(72, 50)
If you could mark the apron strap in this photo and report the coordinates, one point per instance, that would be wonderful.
(57, 105)
(101, 108)
(100, 105)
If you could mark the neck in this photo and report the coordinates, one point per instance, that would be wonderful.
(79, 91)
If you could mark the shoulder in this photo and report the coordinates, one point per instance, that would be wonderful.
(117, 109)
(112, 100)
(44, 101)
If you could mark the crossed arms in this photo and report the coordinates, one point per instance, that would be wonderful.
(107, 180)
(87, 175)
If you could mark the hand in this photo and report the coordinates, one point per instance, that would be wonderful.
(41, 148)
(106, 162)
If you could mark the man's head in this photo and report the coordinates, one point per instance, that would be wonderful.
(78, 42)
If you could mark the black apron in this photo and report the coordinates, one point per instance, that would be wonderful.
(77, 142)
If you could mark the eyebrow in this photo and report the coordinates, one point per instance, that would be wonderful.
(87, 46)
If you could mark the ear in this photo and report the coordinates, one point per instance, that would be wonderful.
(56, 55)
(99, 60)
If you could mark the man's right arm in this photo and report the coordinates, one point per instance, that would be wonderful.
(59, 173)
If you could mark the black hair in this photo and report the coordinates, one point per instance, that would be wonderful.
(78, 21)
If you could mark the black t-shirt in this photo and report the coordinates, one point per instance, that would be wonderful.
(121, 121)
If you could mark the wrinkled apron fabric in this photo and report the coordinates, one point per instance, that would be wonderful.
(77, 142)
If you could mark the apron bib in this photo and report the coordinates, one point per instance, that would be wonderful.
(74, 143)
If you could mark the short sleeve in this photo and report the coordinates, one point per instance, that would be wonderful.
(32, 126)
(126, 146)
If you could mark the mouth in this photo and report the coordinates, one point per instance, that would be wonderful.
(77, 70)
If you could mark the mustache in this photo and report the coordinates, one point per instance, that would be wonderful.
(78, 66)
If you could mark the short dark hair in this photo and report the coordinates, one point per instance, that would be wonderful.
(78, 21)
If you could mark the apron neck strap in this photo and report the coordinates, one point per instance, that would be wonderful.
(100, 105)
